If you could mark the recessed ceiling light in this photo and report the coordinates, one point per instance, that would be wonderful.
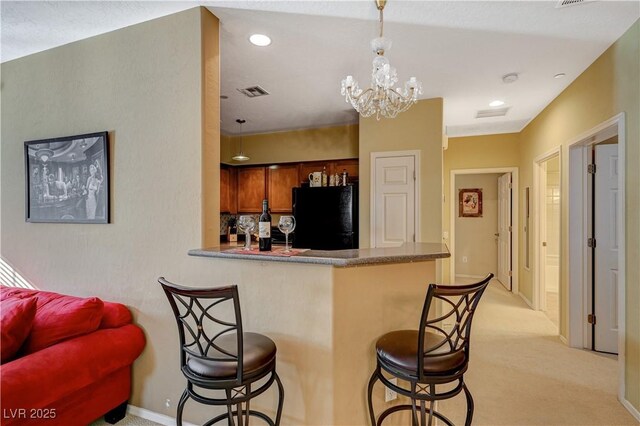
(496, 103)
(260, 40)
(559, 75)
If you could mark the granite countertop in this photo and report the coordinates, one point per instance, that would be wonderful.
(408, 252)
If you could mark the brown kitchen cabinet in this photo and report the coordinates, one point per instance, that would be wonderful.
(228, 191)
(313, 166)
(280, 181)
(351, 166)
(251, 189)
(331, 167)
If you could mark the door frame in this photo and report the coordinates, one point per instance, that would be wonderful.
(538, 202)
(515, 230)
(578, 233)
(415, 153)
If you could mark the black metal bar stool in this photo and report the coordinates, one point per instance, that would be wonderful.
(430, 357)
(216, 355)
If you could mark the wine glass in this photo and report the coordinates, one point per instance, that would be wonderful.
(287, 224)
(247, 224)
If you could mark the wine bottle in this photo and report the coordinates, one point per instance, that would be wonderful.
(232, 236)
(264, 228)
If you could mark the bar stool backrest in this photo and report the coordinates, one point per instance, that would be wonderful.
(204, 315)
(458, 303)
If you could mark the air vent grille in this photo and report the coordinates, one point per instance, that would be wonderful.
(567, 3)
(496, 112)
(253, 91)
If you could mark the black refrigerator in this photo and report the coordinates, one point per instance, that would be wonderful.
(326, 217)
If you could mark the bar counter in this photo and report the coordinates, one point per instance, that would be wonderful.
(408, 252)
(325, 310)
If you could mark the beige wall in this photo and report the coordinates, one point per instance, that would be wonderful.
(474, 152)
(608, 87)
(475, 236)
(419, 128)
(324, 143)
(210, 162)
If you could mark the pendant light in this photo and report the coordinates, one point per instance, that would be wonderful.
(240, 154)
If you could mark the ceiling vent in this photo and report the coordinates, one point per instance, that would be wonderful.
(253, 92)
(567, 3)
(495, 112)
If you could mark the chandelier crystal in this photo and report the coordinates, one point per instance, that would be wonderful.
(381, 99)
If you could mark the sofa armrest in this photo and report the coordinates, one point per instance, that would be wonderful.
(38, 379)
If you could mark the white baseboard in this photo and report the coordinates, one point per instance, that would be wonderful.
(477, 277)
(527, 301)
(630, 408)
(154, 417)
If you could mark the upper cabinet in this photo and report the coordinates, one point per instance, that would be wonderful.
(280, 181)
(251, 189)
(331, 167)
(242, 189)
(228, 197)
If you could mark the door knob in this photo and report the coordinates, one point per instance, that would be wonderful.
(544, 244)
(497, 235)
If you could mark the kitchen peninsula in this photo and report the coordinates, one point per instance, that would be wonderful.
(325, 310)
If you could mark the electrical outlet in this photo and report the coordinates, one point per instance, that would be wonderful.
(390, 395)
(167, 403)
(464, 259)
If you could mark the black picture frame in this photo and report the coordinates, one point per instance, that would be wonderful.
(67, 179)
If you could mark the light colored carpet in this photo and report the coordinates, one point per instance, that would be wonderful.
(553, 308)
(521, 374)
(129, 420)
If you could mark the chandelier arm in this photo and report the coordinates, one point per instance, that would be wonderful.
(357, 98)
(403, 98)
(381, 21)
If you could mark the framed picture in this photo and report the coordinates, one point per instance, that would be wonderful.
(470, 202)
(67, 179)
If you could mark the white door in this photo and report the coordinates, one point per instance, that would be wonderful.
(504, 230)
(394, 201)
(605, 228)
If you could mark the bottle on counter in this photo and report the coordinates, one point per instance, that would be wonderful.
(232, 232)
(345, 177)
(324, 176)
(264, 228)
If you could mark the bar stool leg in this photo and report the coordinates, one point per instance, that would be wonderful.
(372, 382)
(183, 400)
(414, 409)
(280, 397)
(470, 405)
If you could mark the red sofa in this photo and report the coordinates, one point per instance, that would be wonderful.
(65, 360)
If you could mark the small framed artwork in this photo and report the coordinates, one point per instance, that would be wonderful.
(67, 179)
(470, 202)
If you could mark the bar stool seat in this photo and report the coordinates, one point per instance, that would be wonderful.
(399, 350)
(259, 352)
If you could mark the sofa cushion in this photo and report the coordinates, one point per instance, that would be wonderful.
(60, 317)
(115, 315)
(15, 292)
(16, 319)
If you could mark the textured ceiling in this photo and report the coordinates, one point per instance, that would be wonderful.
(459, 50)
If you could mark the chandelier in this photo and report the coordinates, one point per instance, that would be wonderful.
(381, 98)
